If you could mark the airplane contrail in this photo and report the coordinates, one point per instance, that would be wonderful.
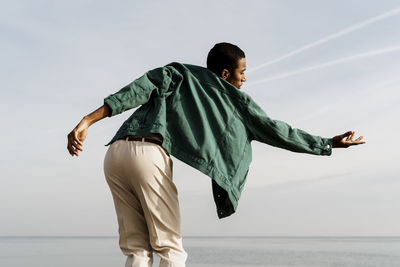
(330, 37)
(329, 63)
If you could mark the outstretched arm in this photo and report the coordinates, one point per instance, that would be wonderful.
(133, 95)
(339, 140)
(280, 134)
(78, 134)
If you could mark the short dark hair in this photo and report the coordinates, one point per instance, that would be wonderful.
(224, 56)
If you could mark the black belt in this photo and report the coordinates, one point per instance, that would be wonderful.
(146, 139)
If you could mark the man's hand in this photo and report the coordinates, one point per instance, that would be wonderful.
(340, 141)
(76, 138)
(78, 135)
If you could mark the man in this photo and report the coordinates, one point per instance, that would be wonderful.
(199, 116)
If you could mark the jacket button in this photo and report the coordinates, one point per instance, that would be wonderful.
(328, 146)
(218, 195)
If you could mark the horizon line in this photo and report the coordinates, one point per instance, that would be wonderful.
(209, 236)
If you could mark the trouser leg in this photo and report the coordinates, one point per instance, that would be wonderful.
(148, 169)
(133, 233)
(159, 197)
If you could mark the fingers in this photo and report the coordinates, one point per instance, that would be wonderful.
(349, 135)
(358, 141)
(76, 139)
(71, 149)
(346, 134)
(359, 138)
(74, 144)
(77, 144)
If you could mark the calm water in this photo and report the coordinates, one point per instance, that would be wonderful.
(208, 251)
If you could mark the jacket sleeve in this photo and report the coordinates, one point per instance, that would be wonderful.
(140, 90)
(280, 134)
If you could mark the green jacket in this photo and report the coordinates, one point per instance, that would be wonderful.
(207, 123)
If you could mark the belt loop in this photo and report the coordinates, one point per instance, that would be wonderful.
(127, 138)
(142, 139)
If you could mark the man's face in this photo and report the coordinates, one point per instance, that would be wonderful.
(237, 78)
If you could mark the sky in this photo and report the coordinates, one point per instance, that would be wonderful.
(322, 66)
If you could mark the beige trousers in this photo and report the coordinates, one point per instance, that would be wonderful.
(139, 175)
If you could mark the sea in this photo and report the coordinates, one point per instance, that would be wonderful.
(41, 251)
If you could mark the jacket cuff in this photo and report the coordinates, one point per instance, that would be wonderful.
(326, 149)
(113, 104)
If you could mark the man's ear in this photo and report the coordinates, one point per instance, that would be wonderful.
(225, 74)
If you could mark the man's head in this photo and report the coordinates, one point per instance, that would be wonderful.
(229, 62)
